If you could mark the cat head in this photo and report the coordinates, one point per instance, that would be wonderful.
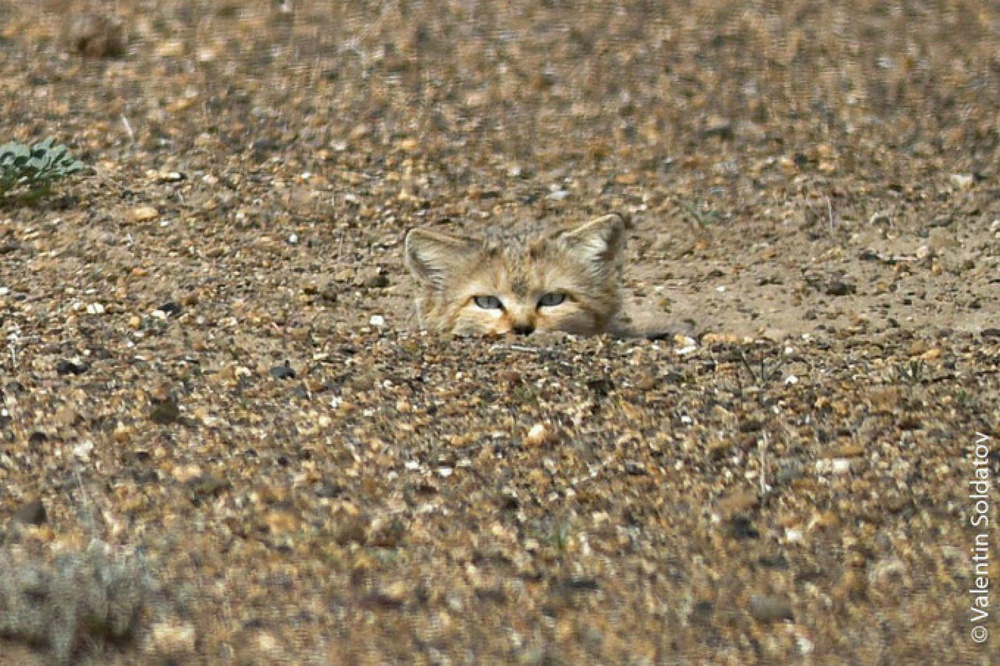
(565, 280)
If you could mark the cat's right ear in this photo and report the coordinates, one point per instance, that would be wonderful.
(432, 256)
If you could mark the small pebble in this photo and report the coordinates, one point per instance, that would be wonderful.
(742, 528)
(83, 450)
(143, 214)
(170, 308)
(96, 36)
(766, 608)
(962, 181)
(66, 416)
(376, 281)
(66, 367)
(207, 485)
(283, 371)
(835, 466)
(737, 502)
(32, 513)
(839, 288)
(537, 436)
(165, 412)
(171, 639)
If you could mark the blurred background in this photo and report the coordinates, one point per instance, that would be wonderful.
(639, 89)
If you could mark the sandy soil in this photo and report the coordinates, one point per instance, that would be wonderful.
(211, 370)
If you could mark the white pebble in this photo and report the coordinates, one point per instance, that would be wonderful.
(537, 435)
(835, 466)
(961, 180)
(83, 449)
(793, 535)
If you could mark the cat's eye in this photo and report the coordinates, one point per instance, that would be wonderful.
(551, 299)
(488, 302)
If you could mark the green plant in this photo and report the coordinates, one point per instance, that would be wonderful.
(762, 372)
(35, 168)
(559, 537)
(912, 372)
(703, 219)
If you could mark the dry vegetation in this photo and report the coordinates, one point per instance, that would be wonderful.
(222, 442)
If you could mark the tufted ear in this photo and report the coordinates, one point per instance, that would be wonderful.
(600, 242)
(432, 256)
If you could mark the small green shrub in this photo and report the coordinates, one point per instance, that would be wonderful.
(34, 168)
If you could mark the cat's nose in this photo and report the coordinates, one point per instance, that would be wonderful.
(524, 329)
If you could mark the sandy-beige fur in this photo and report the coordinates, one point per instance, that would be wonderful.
(582, 263)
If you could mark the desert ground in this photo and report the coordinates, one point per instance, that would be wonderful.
(224, 440)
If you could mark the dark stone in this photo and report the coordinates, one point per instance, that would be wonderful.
(775, 561)
(635, 469)
(601, 387)
(283, 371)
(32, 513)
(839, 288)
(165, 412)
(377, 281)
(330, 489)
(65, 367)
(577, 584)
(741, 527)
(494, 595)
(764, 608)
(207, 485)
(170, 308)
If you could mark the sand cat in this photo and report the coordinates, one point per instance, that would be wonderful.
(565, 280)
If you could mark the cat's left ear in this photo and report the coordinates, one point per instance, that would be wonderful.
(601, 240)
